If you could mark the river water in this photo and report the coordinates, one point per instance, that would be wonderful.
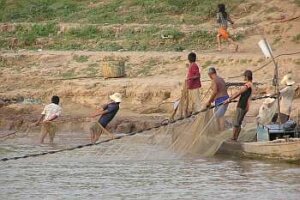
(132, 168)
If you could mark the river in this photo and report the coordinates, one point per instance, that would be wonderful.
(132, 169)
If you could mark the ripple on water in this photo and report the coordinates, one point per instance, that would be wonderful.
(126, 169)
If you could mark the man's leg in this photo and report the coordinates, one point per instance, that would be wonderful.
(93, 132)
(219, 42)
(51, 132)
(240, 114)
(221, 123)
(51, 137)
(220, 113)
(97, 136)
(195, 94)
(43, 134)
(236, 133)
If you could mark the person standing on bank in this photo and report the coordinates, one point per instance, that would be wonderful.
(107, 113)
(243, 103)
(287, 95)
(193, 83)
(223, 19)
(218, 96)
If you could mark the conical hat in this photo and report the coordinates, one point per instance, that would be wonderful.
(287, 80)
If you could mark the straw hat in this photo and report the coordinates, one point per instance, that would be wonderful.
(116, 97)
(269, 101)
(287, 80)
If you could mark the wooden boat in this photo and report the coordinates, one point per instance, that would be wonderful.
(273, 142)
(279, 150)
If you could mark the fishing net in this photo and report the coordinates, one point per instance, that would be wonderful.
(199, 135)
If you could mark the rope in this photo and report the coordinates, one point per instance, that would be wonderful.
(117, 137)
(263, 66)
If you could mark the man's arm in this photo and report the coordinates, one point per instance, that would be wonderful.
(237, 94)
(52, 118)
(214, 93)
(99, 112)
(40, 120)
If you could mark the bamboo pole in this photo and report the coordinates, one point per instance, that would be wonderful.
(276, 82)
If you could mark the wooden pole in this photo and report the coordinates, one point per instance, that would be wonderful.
(276, 82)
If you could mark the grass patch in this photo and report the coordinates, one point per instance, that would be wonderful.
(209, 63)
(27, 35)
(81, 58)
(296, 38)
(68, 74)
(97, 38)
(92, 69)
(38, 10)
(112, 12)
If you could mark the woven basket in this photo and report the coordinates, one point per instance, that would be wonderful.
(113, 69)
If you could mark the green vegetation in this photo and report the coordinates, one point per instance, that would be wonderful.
(47, 33)
(113, 11)
(107, 38)
(68, 74)
(81, 58)
(209, 63)
(296, 38)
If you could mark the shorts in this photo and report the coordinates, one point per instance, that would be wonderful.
(221, 110)
(239, 117)
(223, 33)
(96, 128)
(49, 128)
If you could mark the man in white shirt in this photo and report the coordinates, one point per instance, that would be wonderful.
(286, 99)
(50, 113)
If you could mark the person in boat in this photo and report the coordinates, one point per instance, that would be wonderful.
(193, 83)
(223, 20)
(107, 112)
(50, 113)
(243, 103)
(218, 96)
(267, 111)
(287, 95)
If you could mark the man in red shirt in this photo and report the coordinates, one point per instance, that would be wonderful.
(193, 84)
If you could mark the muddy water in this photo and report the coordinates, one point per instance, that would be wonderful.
(132, 168)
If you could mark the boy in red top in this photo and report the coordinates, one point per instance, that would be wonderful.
(193, 83)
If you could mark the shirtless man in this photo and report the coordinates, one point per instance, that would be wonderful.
(219, 96)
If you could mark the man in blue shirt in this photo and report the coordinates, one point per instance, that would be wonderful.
(107, 113)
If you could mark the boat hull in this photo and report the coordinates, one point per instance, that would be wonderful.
(285, 151)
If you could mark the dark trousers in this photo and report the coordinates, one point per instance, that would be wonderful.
(283, 118)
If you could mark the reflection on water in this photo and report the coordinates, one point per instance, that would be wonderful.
(131, 168)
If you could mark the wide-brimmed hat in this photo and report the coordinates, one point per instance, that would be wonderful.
(269, 101)
(116, 97)
(287, 80)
